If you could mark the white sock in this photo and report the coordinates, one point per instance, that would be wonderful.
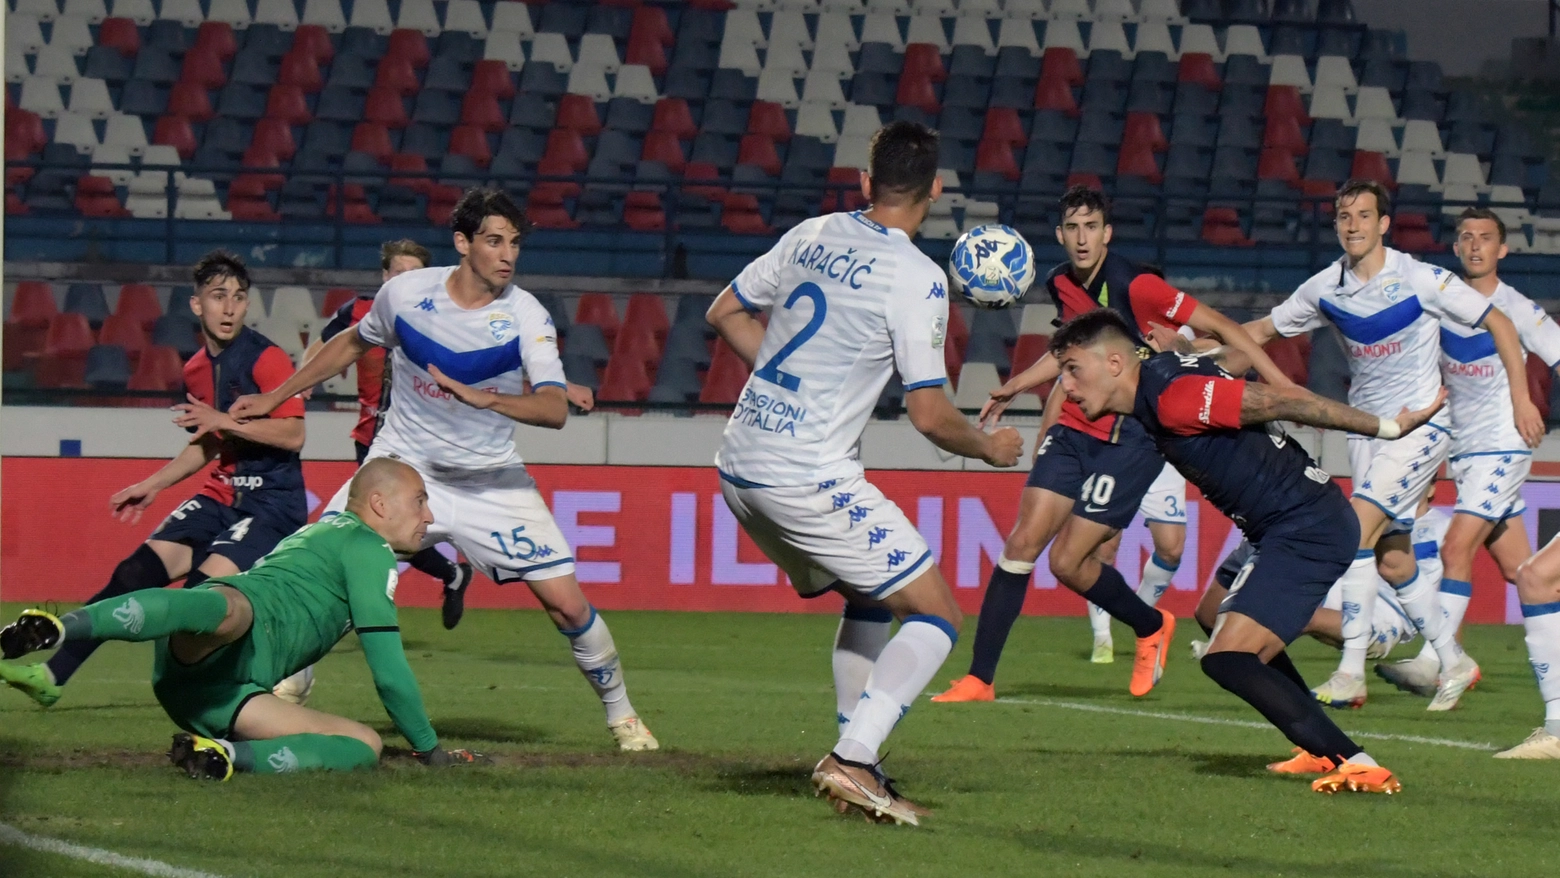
(901, 672)
(597, 657)
(1455, 596)
(1363, 758)
(1542, 624)
(862, 634)
(1358, 587)
(1421, 600)
(1156, 579)
(1099, 621)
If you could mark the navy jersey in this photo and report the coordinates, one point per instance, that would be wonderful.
(253, 478)
(1256, 475)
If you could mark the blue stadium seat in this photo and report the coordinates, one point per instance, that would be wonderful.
(619, 147)
(362, 42)
(240, 101)
(696, 56)
(1424, 74)
(518, 151)
(871, 89)
(1385, 73)
(652, 176)
(627, 114)
(226, 135)
(967, 91)
(1246, 70)
(1202, 10)
(254, 68)
(1463, 106)
(1331, 134)
(1383, 44)
(1332, 41)
(724, 117)
(1052, 126)
(165, 34)
(1110, 66)
(341, 104)
(971, 61)
(879, 58)
(751, 180)
(1105, 95)
(1234, 163)
(143, 98)
(373, 173)
(88, 301)
(268, 38)
(1154, 67)
(599, 207)
(1245, 100)
(352, 71)
(677, 380)
(1193, 98)
(559, 314)
(564, 18)
(994, 324)
(1509, 169)
(448, 74)
(1093, 158)
(916, 115)
(176, 330)
(543, 79)
(1294, 11)
(615, 21)
(690, 311)
(436, 107)
(1032, 212)
(1423, 104)
(587, 340)
(157, 65)
(1151, 96)
(1240, 12)
(1188, 162)
(398, 204)
(107, 64)
(1099, 126)
(1474, 137)
(578, 369)
(688, 84)
(428, 141)
(1016, 61)
(1194, 129)
(108, 367)
(962, 122)
(1332, 165)
(532, 110)
(1014, 92)
(326, 135)
(1240, 130)
(810, 153)
(1293, 40)
(458, 46)
(732, 85)
(892, 400)
(700, 25)
(1515, 139)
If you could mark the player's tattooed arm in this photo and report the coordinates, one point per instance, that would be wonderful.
(1261, 403)
(1242, 344)
(737, 325)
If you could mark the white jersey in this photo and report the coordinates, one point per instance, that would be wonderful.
(849, 301)
(1390, 323)
(1480, 402)
(1430, 531)
(496, 347)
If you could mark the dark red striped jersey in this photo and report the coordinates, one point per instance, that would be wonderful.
(373, 370)
(1138, 294)
(1256, 475)
(250, 477)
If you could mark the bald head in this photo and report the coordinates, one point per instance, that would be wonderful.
(390, 497)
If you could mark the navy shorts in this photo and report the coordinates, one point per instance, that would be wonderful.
(212, 528)
(1292, 569)
(1106, 481)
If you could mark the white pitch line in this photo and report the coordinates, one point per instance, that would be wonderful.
(1238, 723)
(97, 856)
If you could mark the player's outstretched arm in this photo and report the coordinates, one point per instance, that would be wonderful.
(129, 503)
(545, 406)
(397, 687)
(284, 433)
(1044, 369)
(1241, 344)
(737, 325)
(1509, 345)
(935, 417)
(337, 354)
(1261, 403)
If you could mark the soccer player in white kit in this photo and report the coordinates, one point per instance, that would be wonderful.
(465, 341)
(1390, 308)
(1489, 460)
(851, 300)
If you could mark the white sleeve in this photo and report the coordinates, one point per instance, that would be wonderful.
(378, 326)
(1300, 312)
(1444, 295)
(1538, 332)
(919, 328)
(758, 285)
(538, 338)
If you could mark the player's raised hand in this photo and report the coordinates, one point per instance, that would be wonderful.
(1409, 421)
(129, 503)
(253, 405)
(200, 417)
(1529, 422)
(477, 399)
(1163, 338)
(992, 411)
(1003, 447)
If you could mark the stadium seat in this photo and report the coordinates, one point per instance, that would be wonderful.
(138, 303)
(63, 360)
(727, 375)
(128, 333)
(159, 368)
(34, 305)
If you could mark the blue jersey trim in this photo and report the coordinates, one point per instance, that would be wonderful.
(549, 384)
(1362, 554)
(858, 217)
(576, 632)
(739, 481)
(467, 367)
(937, 622)
(1457, 586)
(925, 556)
(1496, 519)
(1531, 610)
(833, 586)
(1487, 310)
(1524, 452)
(1467, 348)
(1426, 550)
(1373, 328)
(1177, 521)
(1405, 522)
(743, 299)
(935, 382)
(1162, 564)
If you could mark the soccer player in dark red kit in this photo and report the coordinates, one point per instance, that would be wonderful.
(254, 496)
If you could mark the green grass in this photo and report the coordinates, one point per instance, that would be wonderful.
(743, 705)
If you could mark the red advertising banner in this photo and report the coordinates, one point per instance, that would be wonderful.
(645, 537)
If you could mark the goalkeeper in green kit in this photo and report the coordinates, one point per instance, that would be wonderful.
(222, 646)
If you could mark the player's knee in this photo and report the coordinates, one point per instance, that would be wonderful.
(1397, 568)
(371, 738)
(1534, 586)
(1022, 547)
(1067, 568)
(1170, 555)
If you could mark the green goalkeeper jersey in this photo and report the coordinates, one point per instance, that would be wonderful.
(329, 578)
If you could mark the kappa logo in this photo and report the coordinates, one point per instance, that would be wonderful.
(427, 305)
(859, 513)
(877, 535)
(283, 761)
(938, 292)
(131, 615)
(896, 558)
(824, 486)
(842, 500)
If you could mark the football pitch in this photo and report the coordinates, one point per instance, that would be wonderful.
(1068, 775)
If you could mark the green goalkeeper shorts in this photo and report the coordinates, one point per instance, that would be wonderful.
(204, 698)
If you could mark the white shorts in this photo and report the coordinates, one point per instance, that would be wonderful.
(1489, 484)
(1393, 474)
(501, 525)
(843, 534)
(1165, 501)
(1389, 626)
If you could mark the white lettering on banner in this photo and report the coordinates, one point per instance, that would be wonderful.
(929, 524)
(684, 527)
(567, 506)
(1375, 350)
(725, 569)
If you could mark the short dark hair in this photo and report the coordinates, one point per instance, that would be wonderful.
(1483, 213)
(1355, 188)
(1085, 198)
(404, 247)
(478, 203)
(1090, 327)
(219, 264)
(902, 161)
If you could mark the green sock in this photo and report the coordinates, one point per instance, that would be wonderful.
(303, 753)
(147, 615)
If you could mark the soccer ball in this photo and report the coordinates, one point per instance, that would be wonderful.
(297, 687)
(992, 266)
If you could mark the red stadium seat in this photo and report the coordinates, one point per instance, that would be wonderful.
(545, 215)
(472, 142)
(846, 194)
(493, 78)
(1283, 132)
(1372, 166)
(287, 102)
(128, 333)
(626, 380)
(483, 111)
(275, 136)
(1027, 352)
(411, 163)
(121, 34)
(1411, 232)
(958, 331)
(34, 304)
(1285, 100)
(259, 158)
(953, 361)
(216, 37)
(63, 361)
(14, 206)
(650, 22)
(647, 309)
(1079, 178)
(175, 131)
(557, 167)
(373, 139)
(1198, 68)
(1292, 357)
(409, 45)
(386, 107)
(1277, 164)
(636, 343)
(95, 197)
(252, 209)
(918, 91)
(1137, 160)
(299, 68)
(1061, 64)
(1540, 380)
(642, 212)
(758, 150)
(24, 135)
(741, 216)
(314, 40)
(1003, 124)
(578, 113)
(358, 212)
(1055, 94)
(1221, 227)
(673, 116)
(398, 75)
(138, 302)
(647, 51)
(696, 171)
(566, 149)
(922, 60)
(997, 156)
(335, 298)
(21, 345)
(190, 100)
(254, 185)
(203, 66)
(160, 369)
(723, 384)
(767, 119)
(1144, 129)
(664, 147)
(597, 309)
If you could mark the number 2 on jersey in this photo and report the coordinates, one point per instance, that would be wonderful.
(770, 371)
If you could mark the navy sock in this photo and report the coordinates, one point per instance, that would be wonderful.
(195, 578)
(999, 609)
(1284, 665)
(1291, 710)
(434, 564)
(143, 569)
(1111, 594)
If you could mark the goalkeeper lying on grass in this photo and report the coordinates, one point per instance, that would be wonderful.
(222, 646)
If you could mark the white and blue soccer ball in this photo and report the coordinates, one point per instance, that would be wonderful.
(992, 266)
